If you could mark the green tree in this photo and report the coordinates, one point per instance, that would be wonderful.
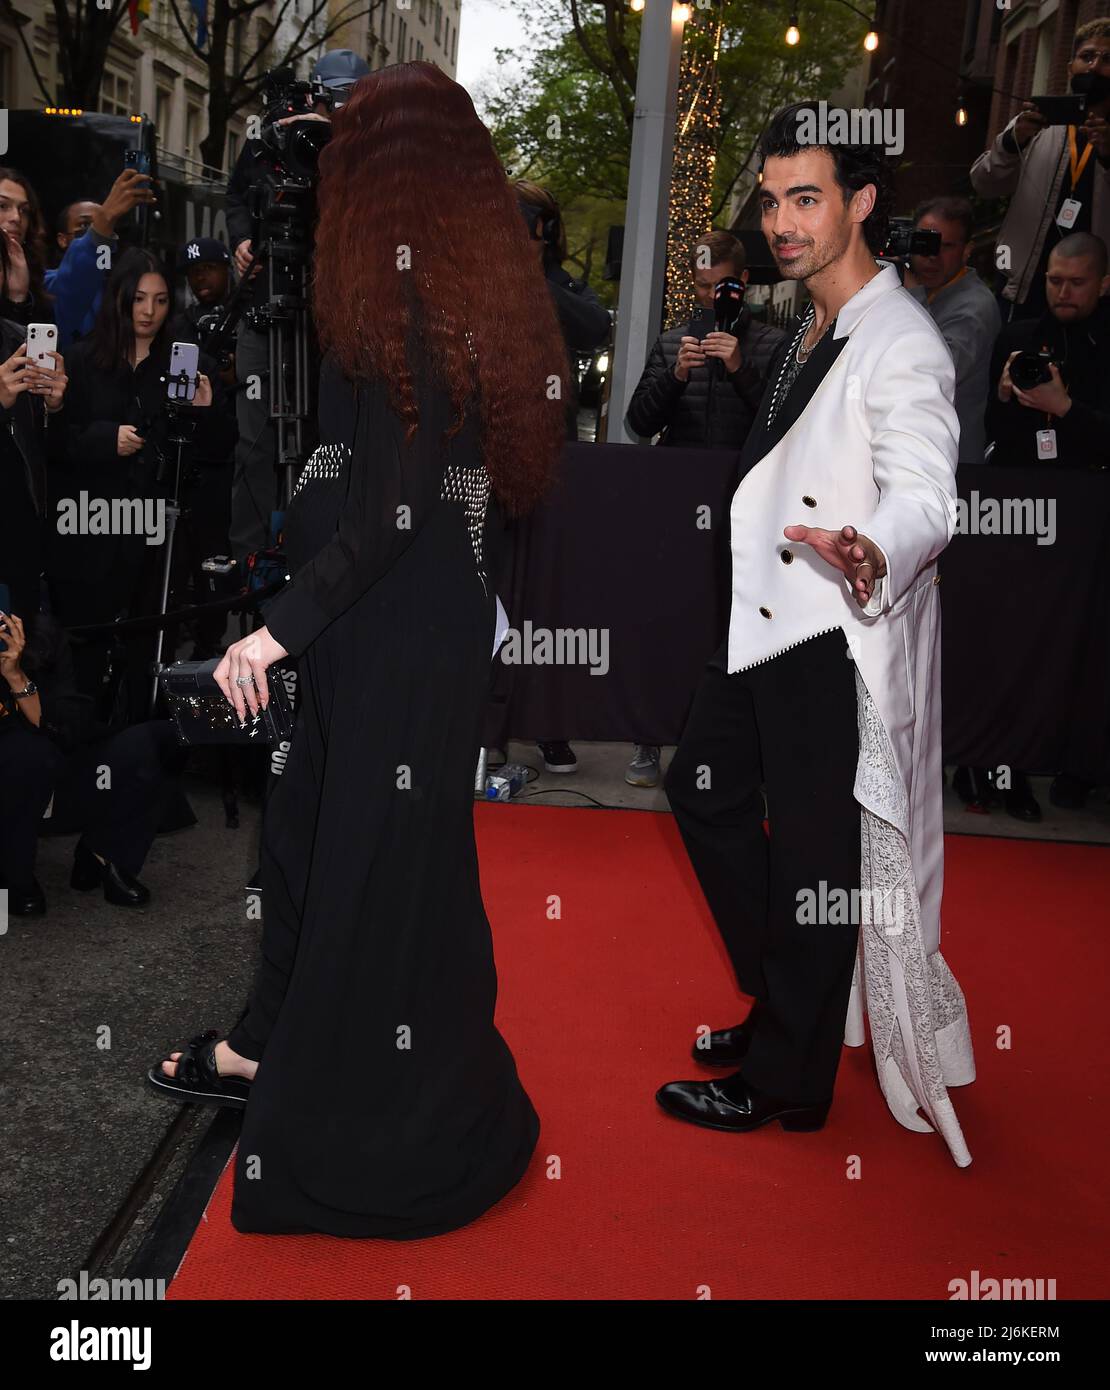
(564, 117)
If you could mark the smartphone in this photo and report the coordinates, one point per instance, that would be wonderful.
(1062, 110)
(42, 340)
(184, 358)
(5, 607)
(137, 159)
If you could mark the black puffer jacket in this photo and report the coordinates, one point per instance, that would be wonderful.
(682, 409)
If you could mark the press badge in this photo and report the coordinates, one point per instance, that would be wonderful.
(1046, 444)
(1069, 211)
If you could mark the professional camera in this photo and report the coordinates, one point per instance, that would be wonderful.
(295, 145)
(1030, 369)
(904, 241)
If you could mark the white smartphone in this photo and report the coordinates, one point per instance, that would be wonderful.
(42, 341)
(184, 357)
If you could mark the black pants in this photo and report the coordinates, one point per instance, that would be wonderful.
(788, 727)
(118, 812)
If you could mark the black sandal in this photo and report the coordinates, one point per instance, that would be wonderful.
(197, 1079)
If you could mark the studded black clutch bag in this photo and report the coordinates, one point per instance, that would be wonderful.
(201, 713)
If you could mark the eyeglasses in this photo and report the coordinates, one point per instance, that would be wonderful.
(1091, 56)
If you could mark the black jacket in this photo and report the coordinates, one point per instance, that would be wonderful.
(30, 442)
(682, 409)
(585, 323)
(252, 166)
(1082, 352)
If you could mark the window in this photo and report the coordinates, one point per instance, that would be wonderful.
(232, 148)
(237, 45)
(5, 76)
(192, 132)
(115, 94)
(419, 49)
(439, 22)
(455, 44)
(163, 106)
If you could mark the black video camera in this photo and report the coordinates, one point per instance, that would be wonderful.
(296, 145)
(904, 241)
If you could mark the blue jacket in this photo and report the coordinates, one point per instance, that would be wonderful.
(77, 285)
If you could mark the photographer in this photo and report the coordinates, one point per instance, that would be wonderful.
(1061, 420)
(254, 490)
(673, 395)
(119, 425)
(31, 397)
(964, 310)
(1058, 175)
(52, 746)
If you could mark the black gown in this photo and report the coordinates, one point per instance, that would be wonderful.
(386, 1103)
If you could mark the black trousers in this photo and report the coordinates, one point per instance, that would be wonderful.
(787, 728)
(118, 814)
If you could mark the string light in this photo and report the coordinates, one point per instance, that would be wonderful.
(871, 41)
(697, 127)
(793, 34)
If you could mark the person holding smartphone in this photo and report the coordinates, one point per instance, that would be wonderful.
(1056, 176)
(32, 434)
(118, 429)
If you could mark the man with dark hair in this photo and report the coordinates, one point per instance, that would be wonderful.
(1057, 177)
(73, 221)
(825, 696)
(964, 310)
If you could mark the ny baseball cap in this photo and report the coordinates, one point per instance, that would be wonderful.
(203, 249)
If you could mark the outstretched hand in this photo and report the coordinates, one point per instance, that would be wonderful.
(848, 551)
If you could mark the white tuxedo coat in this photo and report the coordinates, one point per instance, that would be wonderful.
(875, 447)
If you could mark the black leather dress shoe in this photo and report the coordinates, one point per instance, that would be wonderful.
(120, 888)
(28, 901)
(727, 1046)
(733, 1104)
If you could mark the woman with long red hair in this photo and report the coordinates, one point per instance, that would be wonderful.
(380, 1098)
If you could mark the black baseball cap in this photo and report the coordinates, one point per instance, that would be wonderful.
(204, 250)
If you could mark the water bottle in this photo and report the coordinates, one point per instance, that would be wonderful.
(504, 784)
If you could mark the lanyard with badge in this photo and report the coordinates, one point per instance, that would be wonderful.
(1069, 208)
(1046, 438)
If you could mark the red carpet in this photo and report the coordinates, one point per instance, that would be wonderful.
(601, 1006)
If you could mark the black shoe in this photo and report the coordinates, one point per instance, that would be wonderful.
(1020, 801)
(558, 756)
(733, 1104)
(120, 888)
(975, 788)
(1068, 792)
(727, 1046)
(29, 901)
